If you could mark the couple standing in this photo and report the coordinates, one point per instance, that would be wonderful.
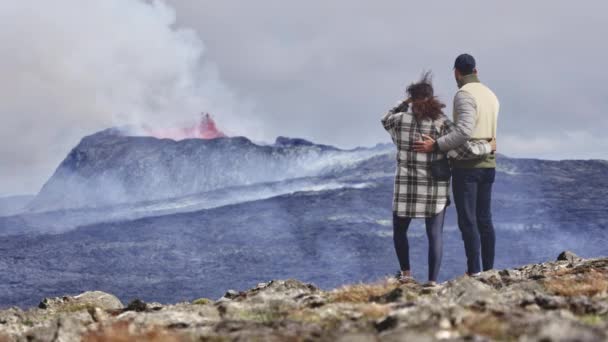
(425, 139)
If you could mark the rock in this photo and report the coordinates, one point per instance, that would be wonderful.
(69, 329)
(99, 315)
(568, 256)
(137, 305)
(177, 317)
(565, 330)
(516, 304)
(64, 328)
(550, 302)
(404, 334)
(357, 337)
(231, 294)
(311, 300)
(466, 291)
(389, 297)
(82, 301)
(13, 321)
(387, 323)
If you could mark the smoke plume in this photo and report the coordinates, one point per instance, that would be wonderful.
(70, 68)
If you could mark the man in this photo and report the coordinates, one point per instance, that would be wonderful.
(475, 115)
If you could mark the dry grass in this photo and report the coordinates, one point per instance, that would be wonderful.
(361, 293)
(573, 283)
(375, 311)
(306, 315)
(486, 325)
(119, 332)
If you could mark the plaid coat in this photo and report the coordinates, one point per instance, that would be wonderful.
(417, 193)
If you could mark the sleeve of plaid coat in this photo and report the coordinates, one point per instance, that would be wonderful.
(471, 149)
(389, 120)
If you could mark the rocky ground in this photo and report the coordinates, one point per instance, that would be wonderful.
(565, 300)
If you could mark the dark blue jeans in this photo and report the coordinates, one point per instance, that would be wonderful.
(434, 233)
(472, 190)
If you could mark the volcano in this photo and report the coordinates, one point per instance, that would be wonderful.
(110, 168)
(206, 128)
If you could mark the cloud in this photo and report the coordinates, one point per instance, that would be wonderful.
(575, 144)
(323, 70)
(326, 70)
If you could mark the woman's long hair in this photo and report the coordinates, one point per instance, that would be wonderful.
(424, 103)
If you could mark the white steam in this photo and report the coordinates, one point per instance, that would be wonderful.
(71, 67)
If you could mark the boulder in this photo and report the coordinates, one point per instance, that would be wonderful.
(466, 291)
(83, 301)
(568, 256)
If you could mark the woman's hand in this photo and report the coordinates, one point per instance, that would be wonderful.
(402, 106)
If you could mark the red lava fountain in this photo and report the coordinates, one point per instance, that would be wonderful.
(205, 129)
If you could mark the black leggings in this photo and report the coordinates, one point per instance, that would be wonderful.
(434, 232)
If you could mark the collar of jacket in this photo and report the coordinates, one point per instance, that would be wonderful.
(471, 78)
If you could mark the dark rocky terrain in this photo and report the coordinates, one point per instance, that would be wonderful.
(329, 228)
(566, 300)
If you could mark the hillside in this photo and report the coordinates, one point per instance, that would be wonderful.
(109, 168)
(565, 300)
(337, 220)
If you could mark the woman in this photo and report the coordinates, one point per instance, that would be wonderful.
(417, 194)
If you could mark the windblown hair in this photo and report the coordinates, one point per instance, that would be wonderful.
(424, 103)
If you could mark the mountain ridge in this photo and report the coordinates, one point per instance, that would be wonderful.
(110, 168)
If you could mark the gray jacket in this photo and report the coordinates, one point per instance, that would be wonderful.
(466, 107)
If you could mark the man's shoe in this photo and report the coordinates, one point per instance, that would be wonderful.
(473, 275)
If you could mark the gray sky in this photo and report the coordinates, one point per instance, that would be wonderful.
(321, 70)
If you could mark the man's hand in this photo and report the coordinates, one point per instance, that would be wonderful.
(493, 144)
(425, 145)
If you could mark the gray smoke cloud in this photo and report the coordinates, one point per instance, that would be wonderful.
(322, 70)
(71, 68)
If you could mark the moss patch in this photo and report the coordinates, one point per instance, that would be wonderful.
(593, 319)
(202, 301)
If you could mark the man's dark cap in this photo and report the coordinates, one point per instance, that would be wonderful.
(465, 63)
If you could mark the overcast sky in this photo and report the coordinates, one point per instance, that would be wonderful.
(321, 70)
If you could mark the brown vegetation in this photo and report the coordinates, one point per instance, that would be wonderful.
(487, 325)
(361, 293)
(571, 283)
(119, 332)
(375, 311)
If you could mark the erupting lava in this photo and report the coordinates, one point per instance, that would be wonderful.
(205, 129)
